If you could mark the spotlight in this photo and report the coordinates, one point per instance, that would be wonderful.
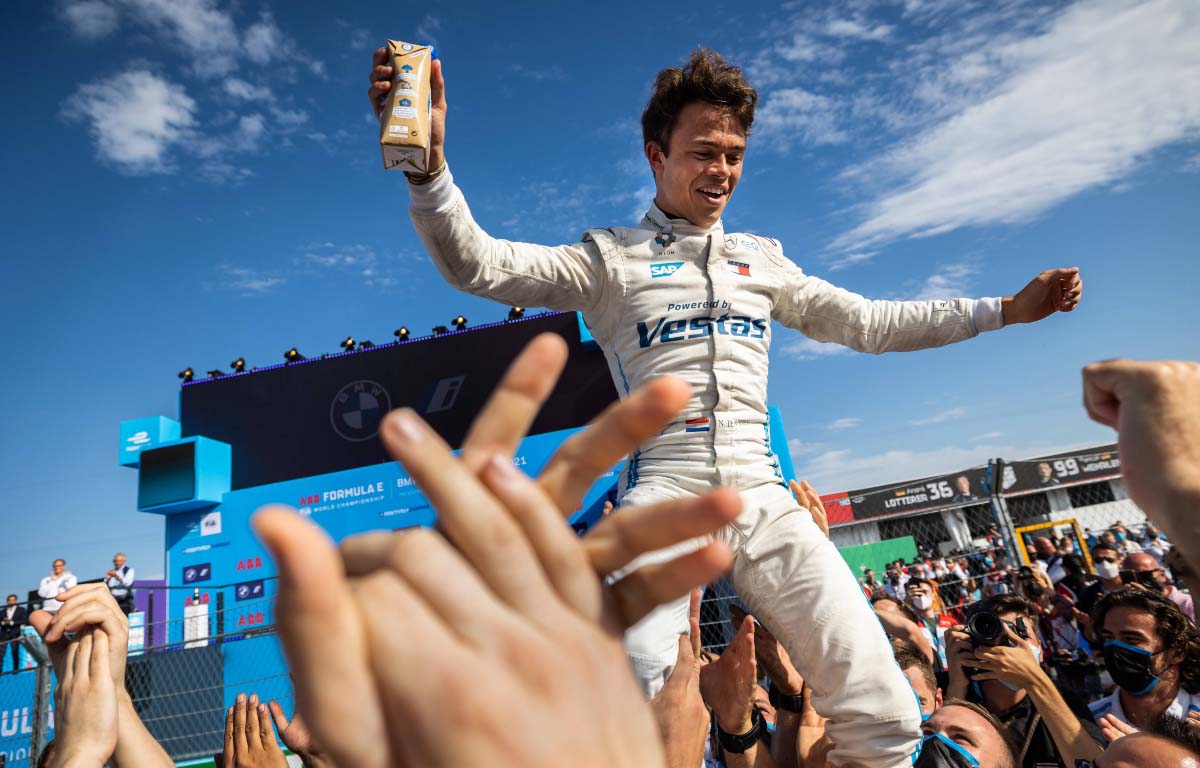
(348, 344)
(186, 374)
(365, 344)
(459, 323)
(216, 373)
(438, 330)
(293, 355)
(401, 333)
(239, 365)
(515, 313)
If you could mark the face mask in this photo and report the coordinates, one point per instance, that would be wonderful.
(1120, 537)
(1107, 570)
(937, 751)
(1130, 667)
(922, 602)
(989, 562)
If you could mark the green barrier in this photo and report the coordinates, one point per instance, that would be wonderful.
(877, 555)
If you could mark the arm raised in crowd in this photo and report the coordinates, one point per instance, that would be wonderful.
(1155, 408)
(92, 605)
(787, 688)
(87, 703)
(498, 618)
(728, 685)
(679, 709)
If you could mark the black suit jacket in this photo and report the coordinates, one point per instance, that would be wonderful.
(20, 618)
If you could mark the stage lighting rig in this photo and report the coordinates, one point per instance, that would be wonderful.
(187, 374)
(515, 313)
(216, 373)
(364, 344)
(401, 333)
(239, 365)
(438, 330)
(348, 344)
(293, 355)
(459, 323)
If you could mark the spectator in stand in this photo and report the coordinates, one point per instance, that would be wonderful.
(901, 622)
(11, 620)
(870, 586)
(917, 668)
(119, 579)
(1152, 651)
(60, 580)
(1107, 562)
(1077, 578)
(1151, 575)
(1126, 542)
(1048, 559)
(1068, 650)
(893, 586)
(963, 734)
(1153, 542)
(1007, 679)
(923, 598)
(1034, 585)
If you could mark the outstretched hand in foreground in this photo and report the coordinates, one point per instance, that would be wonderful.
(496, 622)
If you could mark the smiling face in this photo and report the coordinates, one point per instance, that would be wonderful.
(703, 164)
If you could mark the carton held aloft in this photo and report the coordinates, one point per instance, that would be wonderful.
(405, 120)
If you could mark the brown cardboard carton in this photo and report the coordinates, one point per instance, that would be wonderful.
(404, 123)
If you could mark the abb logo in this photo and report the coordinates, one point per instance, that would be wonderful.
(250, 619)
(249, 564)
(306, 500)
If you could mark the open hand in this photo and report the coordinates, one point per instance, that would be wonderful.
(1112, 728)
(249, 738)
(771, 654)
(728, 683)
(678, 707)
(86, 725)
(1055, 290)
(806, 496)
(83, 606)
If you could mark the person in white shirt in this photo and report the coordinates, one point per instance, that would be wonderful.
(59, 581)
(119, 579)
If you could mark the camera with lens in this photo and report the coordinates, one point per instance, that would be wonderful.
(986, 628)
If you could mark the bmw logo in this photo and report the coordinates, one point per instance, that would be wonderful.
(243, 592)
(358, 409)
(189, 575)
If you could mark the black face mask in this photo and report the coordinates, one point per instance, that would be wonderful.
(1130, 667)
(937, 751)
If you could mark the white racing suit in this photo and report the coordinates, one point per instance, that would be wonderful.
(669, 297)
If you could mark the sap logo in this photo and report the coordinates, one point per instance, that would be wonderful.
(306, 500)
(250, 619)
(668, 331)
(249, 564)
(665, 270)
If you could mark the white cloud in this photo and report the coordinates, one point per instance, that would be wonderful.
(264, 41)
(90, 19)
(791, 115)
(844, 470)
(240, 89)
(552, 72)
(207, 33)
(940, 418)
(246, 281)
(428, 29)
(1079, 105)
(850, 260)
(801, 348)
(987, 436)
(848, 422)
(135, 118)
(950, 281)
(858, 30)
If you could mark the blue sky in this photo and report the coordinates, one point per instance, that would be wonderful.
(189, 181)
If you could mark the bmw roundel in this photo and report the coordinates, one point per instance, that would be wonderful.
(358, 409)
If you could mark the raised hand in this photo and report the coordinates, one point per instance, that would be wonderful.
(728, 683)
(86, 723)
(249, 738)
(1055, 290)
(772, 656)
(679, 708)
(807, 497)
(381, 76)
(297, 737)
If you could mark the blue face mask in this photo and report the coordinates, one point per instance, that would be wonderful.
(989, 562)
(1120, 537)
(937, 751)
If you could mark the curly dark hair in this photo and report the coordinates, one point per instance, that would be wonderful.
(1176, 730)
(1174, 627)
(999, 604)
(706, 78)
(908, 656)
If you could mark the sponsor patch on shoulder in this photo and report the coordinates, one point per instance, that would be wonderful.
(738, 267)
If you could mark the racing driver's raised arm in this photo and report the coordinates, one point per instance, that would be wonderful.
(824, 312)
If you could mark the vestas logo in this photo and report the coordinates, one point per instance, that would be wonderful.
(666, 269)
(669, 331)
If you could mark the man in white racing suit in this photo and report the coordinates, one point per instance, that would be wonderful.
(679, 295)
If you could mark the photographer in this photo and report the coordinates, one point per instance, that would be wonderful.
(996, 660)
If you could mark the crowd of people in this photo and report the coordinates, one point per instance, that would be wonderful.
(496, 639)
